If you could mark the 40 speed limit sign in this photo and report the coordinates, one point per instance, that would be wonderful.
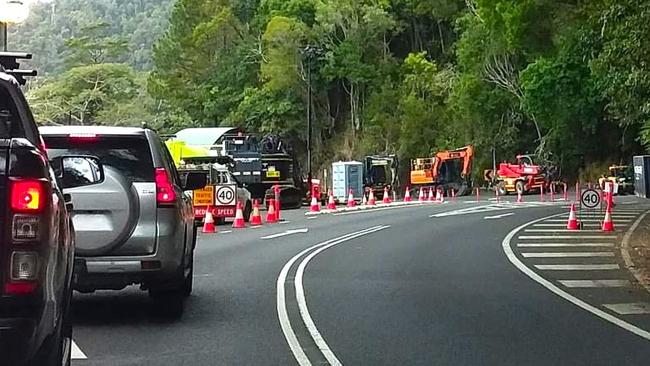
(225, 195)
(590, 198)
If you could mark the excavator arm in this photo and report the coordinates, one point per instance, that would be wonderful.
(465, 153)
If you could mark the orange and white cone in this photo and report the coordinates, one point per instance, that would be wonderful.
(208, 222)
(315, 205)
(371, 199)
(331, 204)
(573, 224)
(364, 200)
(608, 224)
(386, 196)
(271, 217)
(239, 222)
(256, 218)
(351, 201)
(432, 197)
(440, 196)
(407, 195)
(422, 197)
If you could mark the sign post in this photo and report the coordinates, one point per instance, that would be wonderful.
(589, 199)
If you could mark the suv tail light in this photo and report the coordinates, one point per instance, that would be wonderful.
(27, 195)
(165, 193)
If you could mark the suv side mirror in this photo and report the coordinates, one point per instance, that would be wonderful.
(195, 180)
(78, 171)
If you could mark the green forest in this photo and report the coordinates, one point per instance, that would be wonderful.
(567, 80)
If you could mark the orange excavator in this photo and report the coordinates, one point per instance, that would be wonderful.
(446, 170)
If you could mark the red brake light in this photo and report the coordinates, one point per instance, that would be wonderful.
(165, 193)
(27, 195)
(83, 137)
(20, 288)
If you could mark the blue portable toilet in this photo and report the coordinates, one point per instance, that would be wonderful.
(347, 175)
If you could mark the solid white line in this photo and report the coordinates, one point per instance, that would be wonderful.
(635, 308)
(77, 353)
(281, 307)
(567, 255)
(302, 302)
(498, 216)
(560, 231)
(368, 210)
(563, 245)
(563, 294)
(288, 232)
(587, 220)
(594, 283)
(585, 225)
(627, 257)
(577, 267)
(604, 236)
(225, 232)
(312, 217)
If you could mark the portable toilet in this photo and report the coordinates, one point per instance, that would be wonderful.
(347, 175)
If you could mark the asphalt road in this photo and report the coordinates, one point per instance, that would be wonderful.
(411, 290)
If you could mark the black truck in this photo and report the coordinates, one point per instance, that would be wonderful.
(36, 232)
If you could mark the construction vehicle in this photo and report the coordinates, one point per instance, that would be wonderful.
(524, 176)
(380, 172)
(622, 176)
(446, 171)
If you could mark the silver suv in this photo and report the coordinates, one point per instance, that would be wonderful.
(137, 227)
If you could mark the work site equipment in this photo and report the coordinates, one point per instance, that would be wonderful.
(381, 174)
(620, 175)
(208, 223)
(572, 223)
(608, 224)
(524, 176)
(445, 170)
(346, 176)
(256, 217)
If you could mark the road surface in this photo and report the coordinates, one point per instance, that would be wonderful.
(450, 284)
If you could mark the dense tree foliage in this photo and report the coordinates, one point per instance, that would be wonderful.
(566, 79)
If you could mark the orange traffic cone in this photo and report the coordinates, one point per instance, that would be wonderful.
(440, 196)
(386, 196)
(364, 200)
(371, 199)
(271, 217)
(239, 222)
(331, 205)
(432, 197)
(421, 196)
(608, 224)
(351, 201)
(573, 224)
(256, 218)
(407, 195)
(315, 206)
(208, 222)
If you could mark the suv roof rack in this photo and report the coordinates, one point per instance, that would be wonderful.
(9, 65)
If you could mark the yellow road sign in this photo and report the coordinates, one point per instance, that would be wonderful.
(204, 196)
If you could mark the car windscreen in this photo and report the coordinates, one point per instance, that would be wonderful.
(128, 154)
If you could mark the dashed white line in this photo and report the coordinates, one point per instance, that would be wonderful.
(577, 267)
(594, 283)
(498, 216)
(77, 353)
(635, 308)
(568, 255)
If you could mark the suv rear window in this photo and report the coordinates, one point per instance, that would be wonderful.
(128, 154)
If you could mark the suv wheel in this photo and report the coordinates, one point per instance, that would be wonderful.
(57, 349)
(188, 283)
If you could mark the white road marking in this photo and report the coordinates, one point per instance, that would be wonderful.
(584, 225)
(627, 257)
(225, 232)
(283, 316)
(577, 267)
(563, 245)
(588, 220)
(498, 216)
(368, 210)
(288, 232)
(594, 283)
(635, 308)
(537, 237)
(312, 217)
(560, 231)
(563, 294)
(284, 222)
(77, 353)
(568, 255)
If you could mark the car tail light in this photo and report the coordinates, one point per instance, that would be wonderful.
(27, 195)
(83, 137)
(165, 193)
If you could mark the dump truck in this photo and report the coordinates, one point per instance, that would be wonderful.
(446, 170)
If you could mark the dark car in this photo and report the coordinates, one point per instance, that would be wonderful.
(137, 226)
(37, 235)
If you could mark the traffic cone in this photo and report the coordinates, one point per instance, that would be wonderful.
(256, 218)
(432, 197)
(364, 200)
(520, 198)
(315, 206)
(608, 224)
(386, 196)
(422, 197)
(407, 195)
(271, 217)
(239, 222)
(331, 204)
(441, 196)
(351, 201)
(453, 195)
(573, 224)
(208, 222)
(371, 199)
